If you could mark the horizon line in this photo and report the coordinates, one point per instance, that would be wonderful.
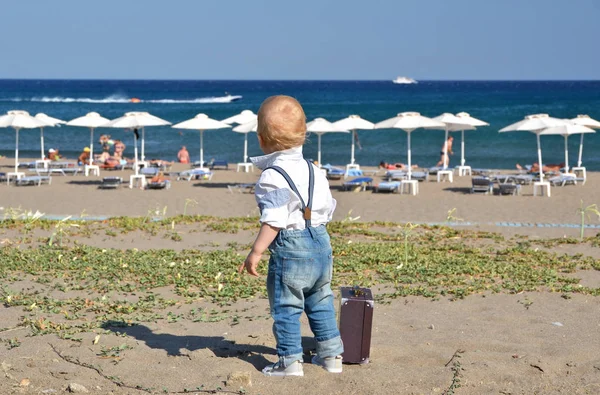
(296, 80)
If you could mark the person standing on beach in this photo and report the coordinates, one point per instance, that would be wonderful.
(183, 155)
(445, 152)
(295, 204)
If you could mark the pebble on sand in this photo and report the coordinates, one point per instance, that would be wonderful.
(240, 378)
(77, 388)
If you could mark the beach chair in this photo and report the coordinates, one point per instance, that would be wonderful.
(218, 163)
(393, 186)
(27, 165)
(522, 179)
(419, 175)
(111, 183)
(149, 171)
(198, 174)
(165, 184)
(481, 172)
(34, 180)
(509, 189)
(334, 173)
(563, 179)
(197, 164)
(360, 183)
(392, 175)
(353, 173)
(482, 184)
(249, 188)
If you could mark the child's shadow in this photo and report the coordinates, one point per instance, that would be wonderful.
(172, 344)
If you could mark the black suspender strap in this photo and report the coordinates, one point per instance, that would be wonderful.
(306, 208)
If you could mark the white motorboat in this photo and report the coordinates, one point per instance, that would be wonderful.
(404, 80)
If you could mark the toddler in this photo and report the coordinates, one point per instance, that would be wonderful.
(295, 204)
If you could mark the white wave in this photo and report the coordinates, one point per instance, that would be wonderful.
(122, 99)
(220, 99)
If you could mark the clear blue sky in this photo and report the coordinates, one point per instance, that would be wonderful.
(300, 39)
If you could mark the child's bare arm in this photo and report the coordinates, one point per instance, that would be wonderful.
(265, 237)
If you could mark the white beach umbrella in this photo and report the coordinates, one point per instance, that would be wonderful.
(137, 120)
(49, 121)
(320, 126)
(472, 123)
(409, 121)
(90, 120)
(535, 123)
(241, 118)
(354, 123)
(19, 120)
(201, 122)
(244, 117)
(565, 131)
(584, 120)
(246, 128)
(451, 122)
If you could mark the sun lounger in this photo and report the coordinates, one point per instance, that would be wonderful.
(395, 175)
(482, 184)
(393, 186)
(523, 179)
(56, 170)
(334, 173)
(62, 164)
(241, 188)
(149, 171)
(353, 173)
(509, 189)
(419, 175)
(34, 180)
(27, 165)
(563, 179)
(358, 183)
(111, 183)
(165, 184)
(198, 174)
(218, 163)
(481, 172)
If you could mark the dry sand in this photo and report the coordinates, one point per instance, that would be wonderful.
(74, 195)
(532, 343)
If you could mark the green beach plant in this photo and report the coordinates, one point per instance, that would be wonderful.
(450, 217)
(61, 230)
(189, 202)
(585, 212)
(406, 231)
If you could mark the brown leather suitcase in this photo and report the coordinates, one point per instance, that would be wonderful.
(356, 321)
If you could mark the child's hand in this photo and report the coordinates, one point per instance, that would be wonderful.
(251, 263)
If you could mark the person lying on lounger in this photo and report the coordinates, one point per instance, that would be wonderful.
(158, 178)
(159, 163)
(395, 166)
(535, 167)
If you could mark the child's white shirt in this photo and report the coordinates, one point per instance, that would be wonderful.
(280, 207)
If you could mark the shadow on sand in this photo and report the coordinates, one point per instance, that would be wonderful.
(222, 348)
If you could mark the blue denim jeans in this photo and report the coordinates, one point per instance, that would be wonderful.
(299, 280)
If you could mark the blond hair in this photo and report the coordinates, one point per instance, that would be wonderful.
(281, 123)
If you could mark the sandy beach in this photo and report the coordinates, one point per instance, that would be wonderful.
(74, 195)
(540, 339)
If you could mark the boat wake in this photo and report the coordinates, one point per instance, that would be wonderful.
(123, 99)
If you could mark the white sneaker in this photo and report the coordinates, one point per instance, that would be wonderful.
(330, 364)
(294, 369)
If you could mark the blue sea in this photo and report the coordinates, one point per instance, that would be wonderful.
(497, 102)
